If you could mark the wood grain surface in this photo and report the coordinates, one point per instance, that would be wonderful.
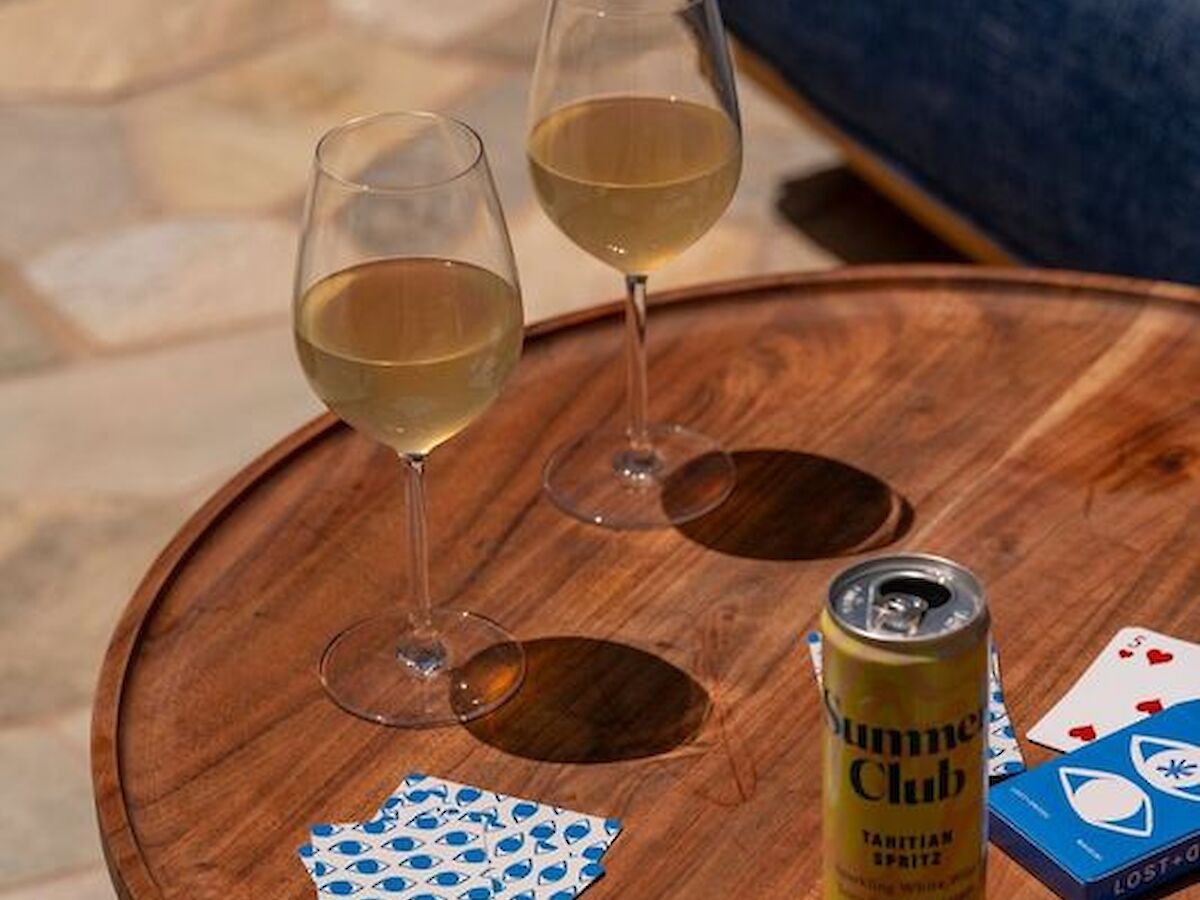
(1042, 428)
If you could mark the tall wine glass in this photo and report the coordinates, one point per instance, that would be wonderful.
(634, 148)
(408, 320)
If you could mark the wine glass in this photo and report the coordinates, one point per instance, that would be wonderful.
(635, 149)
(408, 320)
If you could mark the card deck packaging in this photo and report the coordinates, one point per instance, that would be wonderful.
(1113, 819)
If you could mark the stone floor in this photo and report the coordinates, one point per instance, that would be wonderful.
(152, 161)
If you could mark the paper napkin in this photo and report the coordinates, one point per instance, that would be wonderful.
(435, 839)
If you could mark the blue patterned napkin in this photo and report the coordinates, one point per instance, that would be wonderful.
(1004, 753)
(435, 839)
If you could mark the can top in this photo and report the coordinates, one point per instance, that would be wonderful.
(907, 599)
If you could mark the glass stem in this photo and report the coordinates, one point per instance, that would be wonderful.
(635, 355)
(421, 648)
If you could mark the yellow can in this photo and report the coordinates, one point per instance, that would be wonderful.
(905, 647)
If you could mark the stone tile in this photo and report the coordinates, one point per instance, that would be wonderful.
(70, 565)
(242, 138)
(762, 110)
(429, 23)
(64, 48)
(556, 276)
(776, 146)
(152, 424)
(786, 249)
(171, 277)
(74, 727)
(63, 171)
(23, 345)
(46, 817)
(94, 884)
(727, 251)
(513, 39)
(497, 112)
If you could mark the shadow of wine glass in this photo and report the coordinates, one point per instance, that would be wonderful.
(788, 505)
(592, 701)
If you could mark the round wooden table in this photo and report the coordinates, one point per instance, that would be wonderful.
(1042, 428)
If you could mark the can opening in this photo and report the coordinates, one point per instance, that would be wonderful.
(931, 592)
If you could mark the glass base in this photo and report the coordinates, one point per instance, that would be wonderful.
(382, 671)
(599, 478)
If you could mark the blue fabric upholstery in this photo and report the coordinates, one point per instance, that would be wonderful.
(1068, 130)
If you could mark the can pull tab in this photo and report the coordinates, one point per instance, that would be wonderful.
(900, 604)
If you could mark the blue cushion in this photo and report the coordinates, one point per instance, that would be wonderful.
(1068, 130)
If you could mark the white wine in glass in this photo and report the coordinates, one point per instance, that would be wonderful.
(408, 321)
(635, 206)
(409, 351)
(635, 150)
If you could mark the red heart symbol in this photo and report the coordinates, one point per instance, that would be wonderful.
(1083, 732)
(1159, 656)
(1150, 707)
(1124, 654)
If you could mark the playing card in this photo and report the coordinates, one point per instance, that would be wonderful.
(813, 640)
(1004, 752)
(1139, 673)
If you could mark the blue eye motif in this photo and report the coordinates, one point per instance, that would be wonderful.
(510, 845)
(544, 831)
(577, 831)
(340, 888)
(448, 878)
(393, 884)
(421, 861)
(377, 826)
(420, 795)
(467, 795)
(594, 852)
(367, 866)
(306, 851)
(553, 873)
(472, 855)
(476, 893)
(591, 871)
(349, 848)
(489, 818)
(518, 870)
(612, 826)
(324, 830)
(1107, 800)
(403, 844)
(564, 894)
(1168, 765)
(456, 838)
(523, 811)
(427, 821)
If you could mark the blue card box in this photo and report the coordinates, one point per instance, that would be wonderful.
(1112, 819)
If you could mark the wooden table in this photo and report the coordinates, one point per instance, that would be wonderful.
(1041, 428)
